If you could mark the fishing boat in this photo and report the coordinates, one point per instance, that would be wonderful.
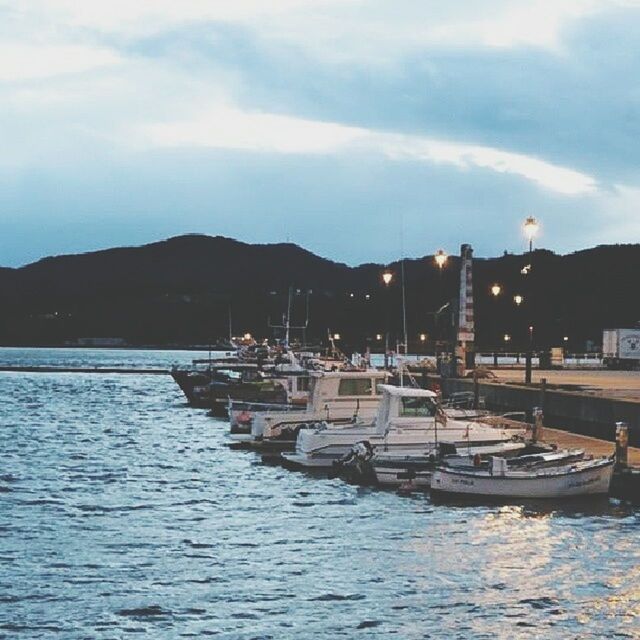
(333, 397)
(393, 469)
(500, 480)
(408, 419)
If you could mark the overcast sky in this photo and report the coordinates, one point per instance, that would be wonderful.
(359, 129)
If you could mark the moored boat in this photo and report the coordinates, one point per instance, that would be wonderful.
(337, 397)
(408, 419)
(563, 480)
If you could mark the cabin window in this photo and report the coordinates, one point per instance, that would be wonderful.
(303, 384)
(355, 387)
(417, 408)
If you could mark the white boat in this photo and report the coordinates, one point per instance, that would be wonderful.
(337, 397)
(578, 478)
(407, 420)
(393, 469)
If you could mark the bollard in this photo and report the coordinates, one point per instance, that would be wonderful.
(476, 390)
(538, 425)
(622, 444)
(543, 394)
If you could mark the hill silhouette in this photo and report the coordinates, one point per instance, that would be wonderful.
(180, 290)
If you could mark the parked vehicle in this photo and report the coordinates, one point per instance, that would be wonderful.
(621, 348)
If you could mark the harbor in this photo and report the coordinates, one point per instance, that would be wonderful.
(319, 320)
(135, 487)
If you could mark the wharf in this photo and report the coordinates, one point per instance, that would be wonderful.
(46, 369)
(594, 446)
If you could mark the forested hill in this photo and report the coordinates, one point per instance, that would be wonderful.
(180, 291)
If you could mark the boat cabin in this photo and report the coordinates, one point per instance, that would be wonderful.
(404, 406)
(332, 389)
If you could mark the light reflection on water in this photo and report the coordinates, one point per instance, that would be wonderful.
(123, 511)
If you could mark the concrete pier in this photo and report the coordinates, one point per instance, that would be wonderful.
(44, 369)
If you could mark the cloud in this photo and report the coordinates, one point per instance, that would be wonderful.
(232, 128)
(37, 61)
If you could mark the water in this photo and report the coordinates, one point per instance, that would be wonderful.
(123, 512)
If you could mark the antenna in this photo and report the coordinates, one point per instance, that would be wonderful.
(286, 320)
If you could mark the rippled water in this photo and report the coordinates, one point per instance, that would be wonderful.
(122, 511)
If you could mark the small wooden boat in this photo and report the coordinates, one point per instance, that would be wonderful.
(562, 480)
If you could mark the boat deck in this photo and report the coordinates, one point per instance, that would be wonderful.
(593, 446)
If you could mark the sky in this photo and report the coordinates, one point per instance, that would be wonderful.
(360, 129)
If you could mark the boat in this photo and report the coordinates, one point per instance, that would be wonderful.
(392, 469)
(333, 396)
(500, 480)
(408, 419)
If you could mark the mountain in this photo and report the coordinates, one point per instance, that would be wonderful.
(180, 291)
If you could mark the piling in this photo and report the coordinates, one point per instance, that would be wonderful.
(538, 425)
(476, 390)
(622, 444)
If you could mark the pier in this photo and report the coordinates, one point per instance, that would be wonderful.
(47, 369)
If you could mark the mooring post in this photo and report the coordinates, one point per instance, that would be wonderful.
(538, 425)
(476, 390)
(543, 394)
(622, 444)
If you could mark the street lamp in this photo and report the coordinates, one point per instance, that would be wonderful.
(423, 337)
(378, 336)
(387, 277)
(496, 290)
(441, 258)
(531, 228)
(507, 337)
(336, 336)
(518, 299)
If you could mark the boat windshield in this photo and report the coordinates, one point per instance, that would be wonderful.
(417, 408)
(355, 387)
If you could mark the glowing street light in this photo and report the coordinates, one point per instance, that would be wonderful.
(518, 299)
(441, 258)
(378, 336)
(423, 337)
(531, 228)
(506, 337)
(496, 290)
(387, 277)
(566, 338)
(336, 336)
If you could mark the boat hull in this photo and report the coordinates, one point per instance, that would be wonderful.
(564, 482)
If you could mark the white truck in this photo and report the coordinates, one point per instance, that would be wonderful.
(621, 348)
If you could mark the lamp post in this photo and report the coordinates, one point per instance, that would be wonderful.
(387, 277)
(496, 290)
(531, 228)
(441, 258)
